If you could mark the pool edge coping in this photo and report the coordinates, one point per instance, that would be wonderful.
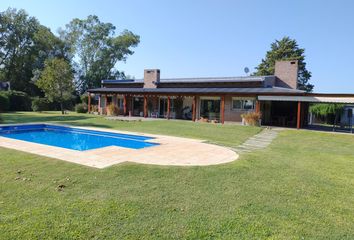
(97, 161)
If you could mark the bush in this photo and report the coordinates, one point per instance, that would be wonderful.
(324, 109)
(18, 101)
(4, 103)
(84, 98)
(41, 104)
(252, 118)
(112, 110)
(94, 108)
(81, 108)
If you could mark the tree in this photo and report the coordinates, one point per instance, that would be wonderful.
(24, 46)
(56, 80)
(95, 50)
(286, 49)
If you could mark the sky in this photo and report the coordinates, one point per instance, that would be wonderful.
(206, 38)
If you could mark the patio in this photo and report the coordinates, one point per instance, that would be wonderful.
(174, 151)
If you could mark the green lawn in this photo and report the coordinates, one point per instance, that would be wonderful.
(300, 187)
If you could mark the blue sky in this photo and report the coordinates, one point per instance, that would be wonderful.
(186, 38)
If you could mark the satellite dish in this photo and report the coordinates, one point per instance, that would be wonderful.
(246, 70)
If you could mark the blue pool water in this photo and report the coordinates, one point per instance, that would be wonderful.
(73, 138)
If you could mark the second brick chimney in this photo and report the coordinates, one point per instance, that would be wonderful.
(286, 73)
(151, 78)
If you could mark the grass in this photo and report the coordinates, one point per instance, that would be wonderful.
(301, 187)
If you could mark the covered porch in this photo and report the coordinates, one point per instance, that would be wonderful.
(293, 111)
(185, 107)
(147, 106)
(218, 105)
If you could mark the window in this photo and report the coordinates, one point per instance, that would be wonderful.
(242, 104)
(120, 102)
(248, 104)
(236, 104)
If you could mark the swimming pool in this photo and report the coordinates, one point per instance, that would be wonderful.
(73, 138)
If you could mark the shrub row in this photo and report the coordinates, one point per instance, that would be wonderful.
(20, 101)
(4, 103)
(14, 101)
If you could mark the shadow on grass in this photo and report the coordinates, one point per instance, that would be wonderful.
(83, 124)
(17, 118)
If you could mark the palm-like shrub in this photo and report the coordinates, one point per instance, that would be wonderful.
(252, 118)
(112, 110)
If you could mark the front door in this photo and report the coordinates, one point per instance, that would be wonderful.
(210, 109)
(138, 106)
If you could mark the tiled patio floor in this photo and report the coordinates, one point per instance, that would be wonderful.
(171, 151)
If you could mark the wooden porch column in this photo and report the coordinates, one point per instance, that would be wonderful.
(99, 104)
(145, 106)
(222, 110)
(298, 120)
(168, 107)
(125, 105)
(89, 102)
(116, 101)
(194, 108)
(258, 106)
(131, 110)
(105, 103)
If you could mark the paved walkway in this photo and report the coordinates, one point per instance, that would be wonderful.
(258, 141)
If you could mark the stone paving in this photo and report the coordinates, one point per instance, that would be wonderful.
(258, 141)
(171, 151)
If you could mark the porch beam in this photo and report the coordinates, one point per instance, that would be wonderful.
(168, 107)
(222, 110)
(145, 107)
(194, 107)
(298, 122)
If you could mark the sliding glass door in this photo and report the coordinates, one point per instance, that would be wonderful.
(210, 108)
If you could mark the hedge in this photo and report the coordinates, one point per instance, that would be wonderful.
(41, 104)
(4, 103)
(18, 101)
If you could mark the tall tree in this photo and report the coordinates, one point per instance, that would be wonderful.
(24, 46)
(96, 50)
(286, 49)
(56, 80)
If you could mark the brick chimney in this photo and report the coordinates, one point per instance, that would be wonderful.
(151, 78)
(286, 73)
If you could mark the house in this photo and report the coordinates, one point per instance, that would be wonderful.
(4, 86)
(218, 99)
